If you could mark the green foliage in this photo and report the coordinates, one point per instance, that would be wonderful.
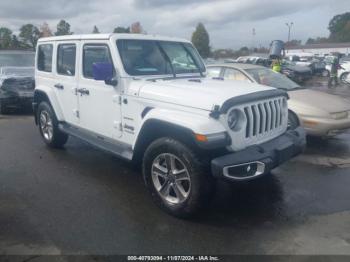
(318, 40)
(121, 29)
(200, 39)
(5, 38)
(339, 28)
(29, 35)
(63, 28)
(293, 43)
(95, 30)
(15, 43)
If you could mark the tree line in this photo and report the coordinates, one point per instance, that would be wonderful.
(29, 34)
(339, 28)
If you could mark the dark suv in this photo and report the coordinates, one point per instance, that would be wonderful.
(16, 80)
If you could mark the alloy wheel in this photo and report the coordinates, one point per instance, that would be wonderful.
(46, 125)
(171, 178)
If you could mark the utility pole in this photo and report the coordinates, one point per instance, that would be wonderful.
(289, 28)
(253, 39)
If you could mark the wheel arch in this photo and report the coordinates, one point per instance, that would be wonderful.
(291, 112)
(153, 129)
(45, 94)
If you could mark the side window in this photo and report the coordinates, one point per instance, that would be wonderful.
(94, 53)
(44, 62)
(66, 59)
(233, 74)
(213, 72)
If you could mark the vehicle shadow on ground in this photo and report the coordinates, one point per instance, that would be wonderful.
(233, 204)
(337, 146)
(17, 113)
(246, 203)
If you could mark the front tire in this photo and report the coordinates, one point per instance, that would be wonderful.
(343, 77)
(176, 178)
(48, 127)
(293, 121)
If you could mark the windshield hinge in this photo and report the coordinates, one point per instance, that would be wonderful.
(215, 112)
(76, 113)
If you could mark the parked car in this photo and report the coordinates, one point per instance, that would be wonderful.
(129, 95)
(295, 72)
(243, 59)
(342, 73)
(321, 114)
(347, 78)
(255, 60)
(16, 80)
(317, 67)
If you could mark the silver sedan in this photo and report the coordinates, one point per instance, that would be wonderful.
(321, 114)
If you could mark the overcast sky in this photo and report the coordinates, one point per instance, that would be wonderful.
(229, 22)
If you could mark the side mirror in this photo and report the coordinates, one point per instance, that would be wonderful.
(104, 72)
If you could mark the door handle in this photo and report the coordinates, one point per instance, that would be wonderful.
(59, 86)
(83, 91)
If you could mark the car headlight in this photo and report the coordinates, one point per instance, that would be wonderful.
(340, 115)
(234, 119)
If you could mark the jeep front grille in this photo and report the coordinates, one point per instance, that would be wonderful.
(262, 121)
(263, 117)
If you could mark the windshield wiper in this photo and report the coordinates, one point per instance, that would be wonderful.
(194, 60)
(166, 57)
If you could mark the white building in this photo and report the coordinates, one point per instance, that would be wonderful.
(320, 49)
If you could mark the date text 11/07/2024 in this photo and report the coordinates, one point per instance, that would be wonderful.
(173, 258)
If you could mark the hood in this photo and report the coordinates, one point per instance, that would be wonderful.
(311, 102)
(16, 79)
(197, 93)
(11, 71)
(303, 63)
(298, 68)
(19, 83)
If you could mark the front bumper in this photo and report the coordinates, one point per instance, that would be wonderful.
(16, 100)
(325, 127)
(258, 160)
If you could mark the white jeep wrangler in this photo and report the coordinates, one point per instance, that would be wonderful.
(146, 99)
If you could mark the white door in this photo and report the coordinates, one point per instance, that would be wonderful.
(65, 86)
(99, 103)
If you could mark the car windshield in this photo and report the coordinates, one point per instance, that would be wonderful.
(150, 57)
(17, 59)
(268, 77)
(288, 63)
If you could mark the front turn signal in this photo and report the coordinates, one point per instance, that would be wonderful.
(201, 138)
(310, 123)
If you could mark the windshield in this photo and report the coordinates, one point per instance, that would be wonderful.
(270, 78)
(149, 57)
(17, 59)
(288, 63)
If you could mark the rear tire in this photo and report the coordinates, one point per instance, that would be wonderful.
(48, 127)
(175, 178)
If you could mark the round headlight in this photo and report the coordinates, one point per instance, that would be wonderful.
(233, 119)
